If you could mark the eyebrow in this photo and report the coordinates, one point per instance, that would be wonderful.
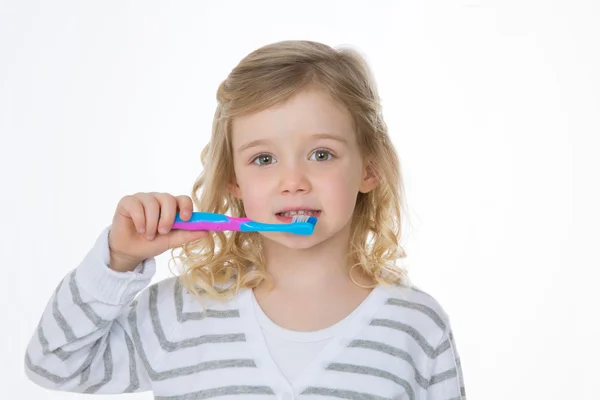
(258, 142)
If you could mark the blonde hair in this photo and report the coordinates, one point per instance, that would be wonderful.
(222, 263)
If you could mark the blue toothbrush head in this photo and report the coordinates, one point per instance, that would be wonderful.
(302, 225)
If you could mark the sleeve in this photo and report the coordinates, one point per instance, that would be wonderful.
(85, 341)
(446, 376)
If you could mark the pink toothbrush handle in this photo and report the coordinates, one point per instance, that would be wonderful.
(232, 225)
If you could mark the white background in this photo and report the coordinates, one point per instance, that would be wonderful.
(494, 107)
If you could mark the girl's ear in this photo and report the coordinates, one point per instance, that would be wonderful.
(234, 189)
(370, 178)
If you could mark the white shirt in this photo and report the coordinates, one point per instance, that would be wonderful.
(291, 350)
(107, 332)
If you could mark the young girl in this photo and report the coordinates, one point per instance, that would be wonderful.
(297, 130)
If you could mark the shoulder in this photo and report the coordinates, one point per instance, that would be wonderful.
(416, 309)
(169, 301)
(411, 296)
(171, 295)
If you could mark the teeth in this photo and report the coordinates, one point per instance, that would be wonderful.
(299, 212)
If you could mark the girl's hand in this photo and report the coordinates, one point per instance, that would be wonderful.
(141, 228)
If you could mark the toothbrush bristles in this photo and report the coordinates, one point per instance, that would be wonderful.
(304, 218)
(299, 218)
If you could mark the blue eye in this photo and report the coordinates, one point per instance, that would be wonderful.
(263, 159)
(322, 155)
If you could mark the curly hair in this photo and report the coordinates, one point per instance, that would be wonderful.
(223, 262)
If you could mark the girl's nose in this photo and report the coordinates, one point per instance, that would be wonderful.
(293, 180)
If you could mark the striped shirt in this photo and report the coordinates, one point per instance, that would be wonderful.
(107, 332)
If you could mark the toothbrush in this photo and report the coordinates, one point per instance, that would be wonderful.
(205, 221)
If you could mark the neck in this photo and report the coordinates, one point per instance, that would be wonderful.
(323, 265)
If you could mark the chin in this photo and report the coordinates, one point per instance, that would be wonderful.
(295, 242)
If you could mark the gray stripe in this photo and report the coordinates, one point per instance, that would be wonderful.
(189, 370)
(430, 312)
(134, 380)
(455, 372)
(393, 351)
(193, 342)
(342, 394)
(59, 379)
(60, 353)
(86, 308)
(416, 289)
(182, 317)
(410, 286)
(360, 369)
(85, 375)
(60, 320)
(443, 376)
(108, 368)
(222, 391)
(458, 363)
(412, 332)
(441, 348)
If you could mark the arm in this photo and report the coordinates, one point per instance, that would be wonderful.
(446, 376)
(84, 342)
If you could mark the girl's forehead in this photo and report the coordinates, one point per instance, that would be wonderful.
(308, 112)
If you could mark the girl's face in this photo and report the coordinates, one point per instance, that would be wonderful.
(302, 156)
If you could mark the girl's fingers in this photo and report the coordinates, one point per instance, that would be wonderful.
(186, 207)
(151, 212)
(168, 208)
(180, 237)
(133, 208)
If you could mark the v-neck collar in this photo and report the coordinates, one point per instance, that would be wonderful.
(352, 324)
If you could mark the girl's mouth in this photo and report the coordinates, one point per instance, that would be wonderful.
(286, 217)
